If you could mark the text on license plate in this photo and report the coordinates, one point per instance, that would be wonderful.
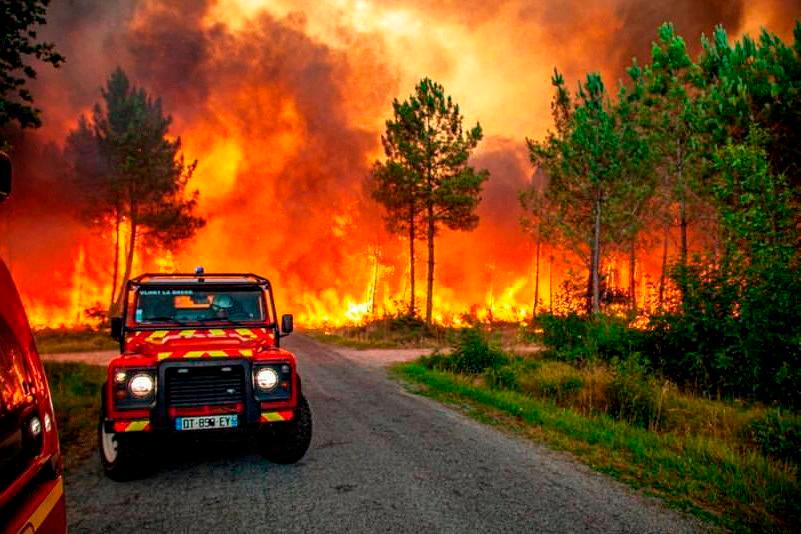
(210, 422)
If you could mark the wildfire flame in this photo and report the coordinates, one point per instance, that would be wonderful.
(283, 104)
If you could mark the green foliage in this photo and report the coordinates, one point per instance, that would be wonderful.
(578, 338)
(474, 353)
(634, 395)
(779, 435)
(739, 332)
(18, 33)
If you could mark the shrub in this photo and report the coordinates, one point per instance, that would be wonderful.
(581, 339)
(474, 353)
(778, 434)
(634, 395)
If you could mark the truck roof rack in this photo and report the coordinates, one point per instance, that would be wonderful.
(201, 277)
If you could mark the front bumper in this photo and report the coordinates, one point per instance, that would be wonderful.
(252, 412)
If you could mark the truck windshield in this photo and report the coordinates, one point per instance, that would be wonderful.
(182, 305)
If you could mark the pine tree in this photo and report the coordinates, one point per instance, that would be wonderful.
(134, 175)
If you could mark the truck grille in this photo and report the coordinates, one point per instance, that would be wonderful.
(202, 385)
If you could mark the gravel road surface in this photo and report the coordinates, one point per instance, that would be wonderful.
(382, 460)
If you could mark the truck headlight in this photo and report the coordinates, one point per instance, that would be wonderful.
(266, 378)
(141, 386)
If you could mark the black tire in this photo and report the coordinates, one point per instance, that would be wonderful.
(287, 443)
(121, 456)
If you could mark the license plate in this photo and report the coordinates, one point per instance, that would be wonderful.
(212, 422)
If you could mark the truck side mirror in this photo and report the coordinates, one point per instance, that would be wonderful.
(116, 328)
(5, 176)
(287, 324)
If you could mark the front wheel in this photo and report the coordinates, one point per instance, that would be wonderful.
(120, 455)
(287, 443)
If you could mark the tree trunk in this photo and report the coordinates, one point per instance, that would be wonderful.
(430, 289)
(663, 274)
(632, 277)
(596, 258)
(536, 277)
(129, 257)
(117, 223)
(550, 283)
(412, 311)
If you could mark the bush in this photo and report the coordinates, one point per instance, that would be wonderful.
(581, 339)
(474, 353)
(778, 434)
(634, 395)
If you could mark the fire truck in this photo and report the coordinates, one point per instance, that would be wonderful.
(200, 354)
(31, 482)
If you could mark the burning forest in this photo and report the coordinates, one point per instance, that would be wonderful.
(280, 109)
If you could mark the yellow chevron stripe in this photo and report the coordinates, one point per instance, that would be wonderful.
(247, 353)
(164, 355)
(136, 426)
(195, 354)
(217, 333)
(245, 332)
(272, 416)
(186, 333)
(157, 335)
(217, 354)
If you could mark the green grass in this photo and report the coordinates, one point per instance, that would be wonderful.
(50, 341)
(76, 400)
(739, 489)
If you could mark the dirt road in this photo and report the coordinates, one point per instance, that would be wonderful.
(381, 460)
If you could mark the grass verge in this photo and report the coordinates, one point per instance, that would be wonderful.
(76, 393)
(741, 490)
(50, 341)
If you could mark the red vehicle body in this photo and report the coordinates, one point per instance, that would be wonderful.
(185, 367)
(31, 483)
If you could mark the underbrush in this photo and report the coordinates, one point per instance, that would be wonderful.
(76, 400)
(53, 340)
(750, 452)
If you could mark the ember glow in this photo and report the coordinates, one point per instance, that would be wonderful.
(283, 104)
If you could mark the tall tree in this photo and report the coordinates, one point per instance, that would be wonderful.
(397, 187)
(757, 82)
(678, 133)
(137, 175)
(586, 159)
(428, 167)
(18, 33)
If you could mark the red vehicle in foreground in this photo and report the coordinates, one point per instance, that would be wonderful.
(200, 354)
(31, 484)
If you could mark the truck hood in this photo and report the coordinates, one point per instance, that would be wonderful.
(199, 343)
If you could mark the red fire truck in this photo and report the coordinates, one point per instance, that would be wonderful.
(200, 354)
